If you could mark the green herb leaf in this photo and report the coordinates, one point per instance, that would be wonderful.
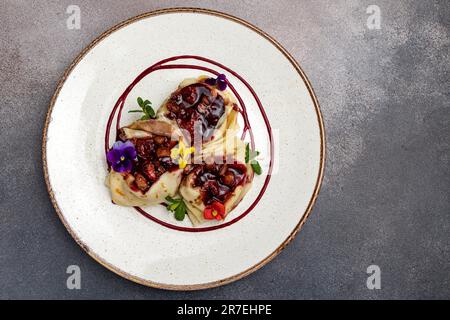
(147, 109)
(170, 199)
(250, 156)
(256, 167)
(247, 153)
(178, 207)
(173, 206)
(180, 212)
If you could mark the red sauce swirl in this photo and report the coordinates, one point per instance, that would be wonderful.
(162, 65)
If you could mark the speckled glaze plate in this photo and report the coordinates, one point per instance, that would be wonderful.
(154, 249)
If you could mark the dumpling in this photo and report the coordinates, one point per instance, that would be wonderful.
(154, 175)
(203, 112)
(215, 187)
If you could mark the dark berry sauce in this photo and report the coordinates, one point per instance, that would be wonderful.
(153, 160)
(196, 108)
(162, 65)
(218, 181)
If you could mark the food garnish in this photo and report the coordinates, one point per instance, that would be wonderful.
(250, 156)
(220, 82)
(146, 108)
(214, 211)
(177, 206)
(181, 154)
(121, 156)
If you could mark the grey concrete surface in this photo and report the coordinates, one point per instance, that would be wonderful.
(384, 95)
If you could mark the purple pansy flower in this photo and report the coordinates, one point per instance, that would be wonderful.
(220, 82)
(121, 156)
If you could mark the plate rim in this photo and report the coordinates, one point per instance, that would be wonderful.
(237, 276)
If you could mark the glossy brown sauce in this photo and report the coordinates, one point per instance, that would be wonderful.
(196, 108)
(218, 181)
(153, 160)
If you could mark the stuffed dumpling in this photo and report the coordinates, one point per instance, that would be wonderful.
(202, 111)
(215, 187)
(154, 174)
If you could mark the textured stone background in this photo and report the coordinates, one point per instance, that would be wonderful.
(384, 95)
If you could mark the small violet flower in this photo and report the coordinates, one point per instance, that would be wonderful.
(220, 82)
(121, 156)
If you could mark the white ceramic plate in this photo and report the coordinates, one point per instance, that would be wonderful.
(145, 250)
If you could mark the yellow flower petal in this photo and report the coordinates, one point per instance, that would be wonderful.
(174, 153)
(181, 154)
(181, 145)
